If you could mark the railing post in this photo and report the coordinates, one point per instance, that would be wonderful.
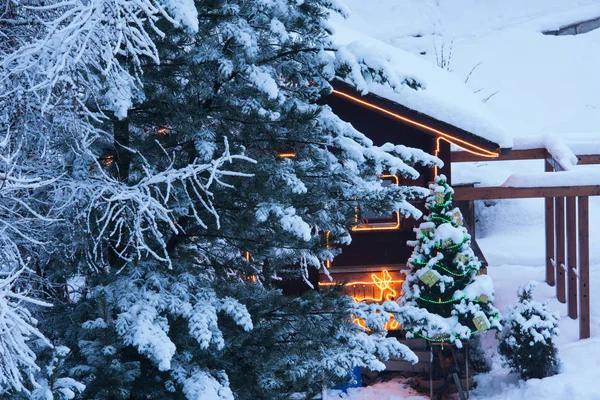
(559, 216)
(584, 268)
(549, 204)
(550, 241)
(572, 256)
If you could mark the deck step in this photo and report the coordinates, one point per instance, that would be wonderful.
(400, 365)
(404, 366)
(419, 347)
(414, 344)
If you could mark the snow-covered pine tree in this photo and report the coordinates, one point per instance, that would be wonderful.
(444, 298)
(180, 211)
(526, 341)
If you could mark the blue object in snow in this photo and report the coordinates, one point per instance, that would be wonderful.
(354, 379)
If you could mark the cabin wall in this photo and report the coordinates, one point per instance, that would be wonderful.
(386, 248)
(374, 255)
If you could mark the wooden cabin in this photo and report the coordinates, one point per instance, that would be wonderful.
(373, 262)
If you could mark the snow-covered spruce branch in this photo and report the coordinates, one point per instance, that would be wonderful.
(82, 41)
(17, 327)
(138, 216)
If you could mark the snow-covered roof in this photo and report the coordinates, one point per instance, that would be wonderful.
(438, 94)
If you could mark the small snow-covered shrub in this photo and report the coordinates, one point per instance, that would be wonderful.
(526, 341)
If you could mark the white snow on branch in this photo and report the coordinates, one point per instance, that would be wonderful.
(133, 213)
(81, 43)
(17, 327)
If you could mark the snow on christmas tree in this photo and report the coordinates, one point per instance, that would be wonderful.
(445, 300)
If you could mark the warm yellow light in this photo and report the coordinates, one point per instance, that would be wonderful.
(379, 226)
(463, 144)
(383, 283)
(247, 255)
(162, 130)
(436, 153)
(327, 262)
(108, 160)
(391, 325)
(287, 155)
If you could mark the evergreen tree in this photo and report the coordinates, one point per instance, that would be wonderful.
(526, 342)
(444, 297)
(180, 213)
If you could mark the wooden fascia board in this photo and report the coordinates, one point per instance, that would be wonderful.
(417, 117)
(500, 192)
(531, 154)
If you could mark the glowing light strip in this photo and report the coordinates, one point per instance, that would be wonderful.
(387, 226)
(436, 153)
(384, 283)
(392, 324)
(287, 155)
(470, 147)
(327, 262)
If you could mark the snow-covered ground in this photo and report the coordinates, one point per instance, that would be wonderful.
(535, 85)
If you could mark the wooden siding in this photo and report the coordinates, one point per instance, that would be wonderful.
(380, 248)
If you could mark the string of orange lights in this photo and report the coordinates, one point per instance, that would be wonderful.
(385, 226)
(463, 144)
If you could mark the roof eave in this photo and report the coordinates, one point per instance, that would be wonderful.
(423, 122)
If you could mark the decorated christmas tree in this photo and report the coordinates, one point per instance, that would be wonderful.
(445, 299)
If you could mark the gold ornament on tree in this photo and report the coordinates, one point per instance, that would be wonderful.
(429, 278)
(439, 197)
(482, 298)
(461, 258)
(447, 243)
(426, 231)
(457, 217)
(481, 323)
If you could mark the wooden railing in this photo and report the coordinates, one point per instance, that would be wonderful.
(567, 227)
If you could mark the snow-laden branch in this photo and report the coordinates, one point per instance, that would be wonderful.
(82, 42)
(136, 216)
(17, 327)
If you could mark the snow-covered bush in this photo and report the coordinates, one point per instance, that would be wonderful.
(526, 341)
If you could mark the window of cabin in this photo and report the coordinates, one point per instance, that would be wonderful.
(368, 220)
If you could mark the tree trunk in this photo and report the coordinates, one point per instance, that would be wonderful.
(122, 162)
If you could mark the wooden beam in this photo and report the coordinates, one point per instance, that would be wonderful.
(532, 154)
(549, 214)
(584, 268)
(445, 154)
(499, 192)
(559, 217)
(588, 159)
(572, 256)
